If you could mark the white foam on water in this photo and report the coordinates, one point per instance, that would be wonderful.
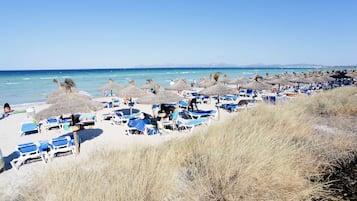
(11, 83)
(47, 78)
(85, 93)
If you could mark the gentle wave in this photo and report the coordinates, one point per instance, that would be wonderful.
(28, 104)
(11, 83)
(85, 93)
(47, 78)
(26, 78)
(248, 73)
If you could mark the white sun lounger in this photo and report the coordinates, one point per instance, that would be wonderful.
(61, 145)
(30, 151)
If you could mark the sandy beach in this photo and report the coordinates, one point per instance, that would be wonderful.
(104, 135)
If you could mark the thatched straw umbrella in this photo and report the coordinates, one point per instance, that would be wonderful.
(163, 96)
(225, 79)
(180, 84)
(239, 81)
(279, 81)
(205, 84)
(67, 86)
(51, 97)
(111, 86)
(150, 84)
(70, 103)
(298, 78)
(131, 91)
(257, 84)
(218, 89)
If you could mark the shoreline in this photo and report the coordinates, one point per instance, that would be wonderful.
(298, 66)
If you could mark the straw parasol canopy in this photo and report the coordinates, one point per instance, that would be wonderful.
(68, 86)
(298, 78)
(257, 84)
(239, 81)
(111, 85)
(206, 83)
(180, 84)
(131, 91)
(70, 104)
(225, 79)
(163, 96)
(150, 84)
(51, 97)
(218, 89)
(278, 80)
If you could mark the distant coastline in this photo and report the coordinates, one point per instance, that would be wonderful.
(295, 66)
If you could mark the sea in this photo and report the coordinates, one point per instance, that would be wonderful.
(25, 87)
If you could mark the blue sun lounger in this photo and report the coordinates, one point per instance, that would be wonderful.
(61, 145)
(30, 151)
(201, 113)
(141, 126)
(190, 124)
(229, 106)
(29, 128)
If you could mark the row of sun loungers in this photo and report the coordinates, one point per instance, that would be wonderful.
(85, 119)
(42, 150)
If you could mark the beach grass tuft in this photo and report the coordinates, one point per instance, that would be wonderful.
(271, 152)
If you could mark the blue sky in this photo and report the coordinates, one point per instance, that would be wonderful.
(77, 34)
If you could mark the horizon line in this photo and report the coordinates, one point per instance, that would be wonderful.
(183, 67)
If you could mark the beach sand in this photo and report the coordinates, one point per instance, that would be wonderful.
(103, 136)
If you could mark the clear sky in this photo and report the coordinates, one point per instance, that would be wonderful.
(77, 34)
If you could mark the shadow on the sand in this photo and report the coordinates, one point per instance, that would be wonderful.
(87, 134)
(9, 158)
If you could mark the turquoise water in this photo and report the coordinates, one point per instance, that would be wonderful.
(22, 87)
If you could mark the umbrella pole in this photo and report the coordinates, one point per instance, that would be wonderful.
(75, 136)
(219, 113)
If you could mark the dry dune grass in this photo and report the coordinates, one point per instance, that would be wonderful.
(267, 153)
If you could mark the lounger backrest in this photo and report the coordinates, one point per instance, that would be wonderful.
(60, 141)
(27, 148)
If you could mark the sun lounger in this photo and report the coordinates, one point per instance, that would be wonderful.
(132, 116)
(201, 113)
(61, 145)
(116, 103)
(140, 126)
(119, 118)
(191, 124)
(249, 93)
(29, 128)
(228, 97)
(30, 151)
(172, 121)
(183, 104)
(230, 107)
(52, 123)
(243, 92)
(87, 119)
(2, 162)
